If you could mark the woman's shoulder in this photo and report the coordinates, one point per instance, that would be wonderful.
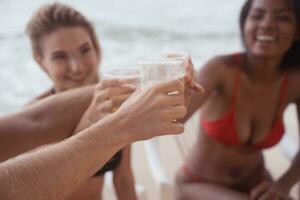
(218, 71)
(40, 97)
(224, 63)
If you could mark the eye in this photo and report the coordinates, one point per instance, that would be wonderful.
(85, 50)
(58, 57)
(284, 18)
(256, 16)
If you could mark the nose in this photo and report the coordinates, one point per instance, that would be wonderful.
(268, 22)
(76, 65)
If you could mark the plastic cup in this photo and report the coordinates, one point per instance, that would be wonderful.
(131, 75)
(158, 71)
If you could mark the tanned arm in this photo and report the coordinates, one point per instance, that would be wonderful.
(49, 120)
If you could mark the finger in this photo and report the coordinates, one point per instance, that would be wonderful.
(169, 86)
(114, 91)
(259, 190)
(108, 83)
(177, 112)
(119, 99)
(108, 93)
(129, 81)
(197, 88)
(174, 128)
(188, 64)
(174, 100)
(189, 79)
(106, 107)
(189, 69)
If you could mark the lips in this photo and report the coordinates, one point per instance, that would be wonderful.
(77, 78)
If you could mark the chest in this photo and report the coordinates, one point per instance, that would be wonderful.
(257, 110)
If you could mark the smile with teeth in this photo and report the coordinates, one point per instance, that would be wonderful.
(77, 78)
(266, 38)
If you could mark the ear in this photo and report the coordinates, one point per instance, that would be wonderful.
(40, 61)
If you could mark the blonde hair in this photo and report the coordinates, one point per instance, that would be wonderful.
(51, 17)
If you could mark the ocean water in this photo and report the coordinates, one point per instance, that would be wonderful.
(127, 29)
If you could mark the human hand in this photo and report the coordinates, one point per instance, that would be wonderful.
(108, 96)
(154, 111)
(191, 85)
(268, 190)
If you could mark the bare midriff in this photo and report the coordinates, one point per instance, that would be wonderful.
(212, 162)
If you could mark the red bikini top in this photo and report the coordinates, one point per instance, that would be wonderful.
(224, 130)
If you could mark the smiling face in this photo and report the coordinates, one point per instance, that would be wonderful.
(69, 58)
(270, 28)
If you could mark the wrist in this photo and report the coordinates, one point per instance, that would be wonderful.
(119, 124)
(108, 131)
(127, 125)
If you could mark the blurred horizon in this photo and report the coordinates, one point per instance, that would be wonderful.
(127, 31)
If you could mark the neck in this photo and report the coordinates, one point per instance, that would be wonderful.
(262, 70)
(93, 81)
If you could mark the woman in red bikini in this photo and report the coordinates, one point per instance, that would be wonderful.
(241, 111)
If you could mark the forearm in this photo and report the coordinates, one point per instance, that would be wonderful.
(291, 176)
(54, 172)
(50, 120)
(82, 124)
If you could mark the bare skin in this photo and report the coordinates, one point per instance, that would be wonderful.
(230, 172)
(239, 173)
(70, 60)
(24, 177)
(44, 117)
(111, 94)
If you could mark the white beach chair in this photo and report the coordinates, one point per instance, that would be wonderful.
(163, 183)
(288, 144)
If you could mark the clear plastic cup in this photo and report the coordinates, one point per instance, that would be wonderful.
(169, 55)
(131, 75)
(158, 71)
(163, 66)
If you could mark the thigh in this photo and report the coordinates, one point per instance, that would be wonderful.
(197, 190)
(207, 191)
